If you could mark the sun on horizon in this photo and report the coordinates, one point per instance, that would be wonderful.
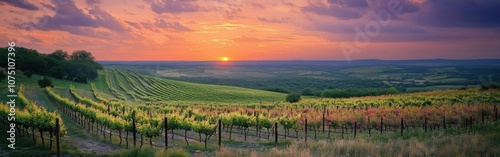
(224, 59)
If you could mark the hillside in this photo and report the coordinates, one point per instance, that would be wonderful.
(133, 88)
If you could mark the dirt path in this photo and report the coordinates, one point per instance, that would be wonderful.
(77, 137)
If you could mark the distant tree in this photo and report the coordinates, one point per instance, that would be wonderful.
(279, 90)
(60, 55)
(492, 85)
(81, 79)
(36, 65)
(308, 92)
(28, 73)
(335, 93)
(45, 82)
(391, 90)
(293, 97)
(81, 55)
(2, 75)
(58, 72)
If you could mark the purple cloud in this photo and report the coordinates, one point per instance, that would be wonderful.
(20, 4)
(350, 3)
(71, 19)
(464, 13)
(172, 6)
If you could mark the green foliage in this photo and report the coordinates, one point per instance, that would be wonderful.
(80, 68)
(2, 75)
(148, 152)
(45, 82)
(279, 90)
(308, 92)
(492, 85)
(293, 97)
(347, 93)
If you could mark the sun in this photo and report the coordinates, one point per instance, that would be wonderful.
(225, 59)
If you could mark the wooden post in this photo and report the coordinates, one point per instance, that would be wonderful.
(165, 123)
(496, 113)
(369, 127)
(482, 117)
(425, 124)
(133, 127)
(305, 131)
(323, 119)
(257, 126)
(402, 126)
(276, 133)
(58, 130)
(381, 125)
(220, 134)
(355, 128)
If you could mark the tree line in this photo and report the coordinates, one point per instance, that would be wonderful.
(78, 66)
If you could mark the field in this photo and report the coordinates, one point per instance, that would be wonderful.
(295, 76)
(100, 118)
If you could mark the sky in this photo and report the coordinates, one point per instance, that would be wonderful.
(256, 29)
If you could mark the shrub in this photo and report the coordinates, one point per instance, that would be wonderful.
(293, 97)
(45, 82)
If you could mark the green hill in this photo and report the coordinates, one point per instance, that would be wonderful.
(133, 88)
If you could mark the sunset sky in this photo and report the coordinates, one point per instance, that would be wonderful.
(256, 29)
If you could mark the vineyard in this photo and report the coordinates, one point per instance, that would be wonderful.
(154, 112)
(32, 119)
(311, 118)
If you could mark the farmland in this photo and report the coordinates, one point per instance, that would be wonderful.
(187, 116)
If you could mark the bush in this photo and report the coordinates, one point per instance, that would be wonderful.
(490, 86)
(45, 82)
(293, 97)
(28, 74)
(2, 75)
(308, 92)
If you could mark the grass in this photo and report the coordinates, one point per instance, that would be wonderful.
(454, 145)
(150, 152)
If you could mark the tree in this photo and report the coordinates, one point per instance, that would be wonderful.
(60, 55)
(391, 90)
(81, 55)
(58, 72)
(2, 75)
(293, 97)
(308, 92)
(44, 82)
(28, 73)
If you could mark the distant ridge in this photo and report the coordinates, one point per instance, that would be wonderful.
(365, 62)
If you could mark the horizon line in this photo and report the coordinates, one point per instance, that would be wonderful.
(451, 59)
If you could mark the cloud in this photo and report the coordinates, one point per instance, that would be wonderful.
(350, 3)
(355, 9)
(172, 6)
(251, 39)
(93, 2)
(338, 11)
(20, 4)
(160, 24)
(71, 19)
(272, 20)
(176, 26)
(463, 13)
